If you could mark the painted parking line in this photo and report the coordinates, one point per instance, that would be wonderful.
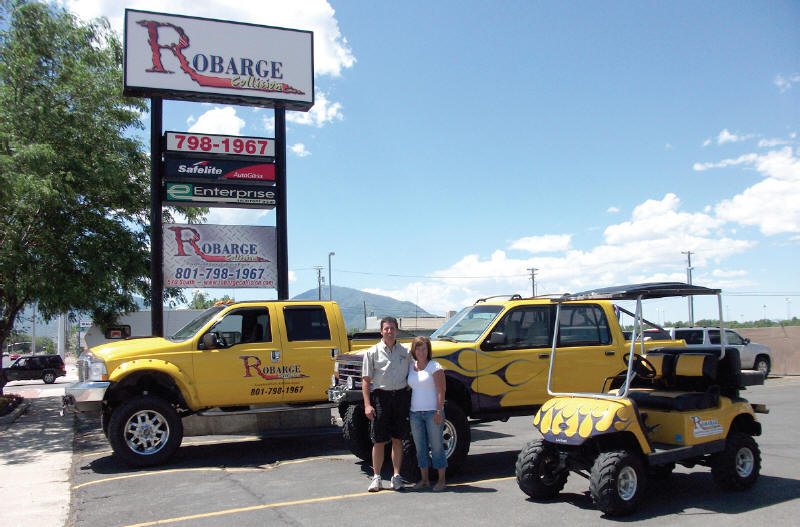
(260, 468)
(293, 503)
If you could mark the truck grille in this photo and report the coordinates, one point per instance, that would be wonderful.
(83, 369)
(348, 369)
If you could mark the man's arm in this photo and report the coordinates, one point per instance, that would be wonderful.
(366, 385)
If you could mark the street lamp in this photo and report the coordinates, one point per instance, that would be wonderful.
(330, 282)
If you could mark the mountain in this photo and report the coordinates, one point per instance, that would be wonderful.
(353, 303)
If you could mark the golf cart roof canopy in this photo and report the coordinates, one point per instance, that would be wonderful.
(634, 291)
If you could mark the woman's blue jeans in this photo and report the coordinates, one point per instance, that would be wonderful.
(428, 436)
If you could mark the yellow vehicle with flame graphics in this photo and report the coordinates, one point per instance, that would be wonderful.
(675, 405)
(248, 357)
(496, 355)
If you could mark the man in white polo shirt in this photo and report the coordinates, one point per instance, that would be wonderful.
(387, 399)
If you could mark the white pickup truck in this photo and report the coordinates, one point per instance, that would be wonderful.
(754, 356)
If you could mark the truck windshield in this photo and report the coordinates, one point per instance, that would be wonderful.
(468, 324)
(191, 328)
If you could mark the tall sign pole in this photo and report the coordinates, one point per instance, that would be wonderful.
(281, 223)
(156, 233)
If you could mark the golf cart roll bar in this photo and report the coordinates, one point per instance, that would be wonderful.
(637, 292)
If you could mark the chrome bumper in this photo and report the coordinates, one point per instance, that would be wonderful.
(84, 397)
(341, 394)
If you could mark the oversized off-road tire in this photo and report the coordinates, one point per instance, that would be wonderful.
(537, 471)
(49, 377)
(617, 482)
(763, 365)
(145, 431)
(355, 430)
(456, 437)
(737, 467)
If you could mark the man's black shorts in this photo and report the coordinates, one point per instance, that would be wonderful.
(391, 415)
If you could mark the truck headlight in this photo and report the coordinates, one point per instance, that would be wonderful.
(95, 367)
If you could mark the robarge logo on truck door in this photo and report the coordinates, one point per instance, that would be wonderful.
(271, 373)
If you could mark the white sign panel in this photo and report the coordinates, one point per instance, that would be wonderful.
(219, 256)
(179, 57)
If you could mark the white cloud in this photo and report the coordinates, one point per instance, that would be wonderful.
(612, 210)
(324, 111)
(785, 83)
(332, 52)
(218, 121)
(744, 159)
(660, 219)
(771, 143)
(299, 149)
(772, 204)
(543, 244)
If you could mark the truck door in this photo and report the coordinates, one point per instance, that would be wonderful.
(246, 367)
(308, 352)
(586, 356)
(512, 365)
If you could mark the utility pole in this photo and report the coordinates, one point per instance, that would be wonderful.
(330, 280)
(533, 280)
(319, 281)
(689, 280)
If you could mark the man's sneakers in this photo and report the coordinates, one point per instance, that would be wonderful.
(375, 484)
(397, 482)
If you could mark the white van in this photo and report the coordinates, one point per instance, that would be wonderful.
(754, 356)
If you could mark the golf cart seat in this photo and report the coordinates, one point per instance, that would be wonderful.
(690, 379)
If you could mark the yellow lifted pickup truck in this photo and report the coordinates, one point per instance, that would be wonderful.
(236, 358)
(496, 354)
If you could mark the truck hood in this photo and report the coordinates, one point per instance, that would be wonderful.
(135, 348)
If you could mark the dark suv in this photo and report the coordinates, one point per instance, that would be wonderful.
(31, 367)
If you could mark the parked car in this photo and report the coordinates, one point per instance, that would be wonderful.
(754, 356)
(32, 367)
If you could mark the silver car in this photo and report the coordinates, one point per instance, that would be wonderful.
(754, 356)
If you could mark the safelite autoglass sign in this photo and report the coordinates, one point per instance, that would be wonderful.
(218, 169)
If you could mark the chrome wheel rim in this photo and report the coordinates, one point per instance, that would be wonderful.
(146, 432)
(627, 482)
(449, 438)
(745, 461)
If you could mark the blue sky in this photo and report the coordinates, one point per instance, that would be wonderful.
(454, 145)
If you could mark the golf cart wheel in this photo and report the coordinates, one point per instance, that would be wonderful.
(145, 431)
(537, 471)
(737, 467)
(617, 482)
(763, 365)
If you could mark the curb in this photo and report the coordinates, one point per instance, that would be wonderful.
(15, 413)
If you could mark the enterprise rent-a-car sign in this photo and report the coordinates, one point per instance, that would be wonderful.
(181, 57)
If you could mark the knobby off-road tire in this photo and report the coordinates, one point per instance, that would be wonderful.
(456, 437)
(145, 431)
(355, 430)
(617, 482)
(737, 467)
(49, 377)
(536, 471)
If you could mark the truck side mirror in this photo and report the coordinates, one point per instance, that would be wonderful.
(746, 341)
(210, 341)
(496, 338)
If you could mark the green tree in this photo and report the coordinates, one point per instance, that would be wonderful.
(201, 300)
(74, 182)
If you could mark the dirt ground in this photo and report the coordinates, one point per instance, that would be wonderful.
(784, 343)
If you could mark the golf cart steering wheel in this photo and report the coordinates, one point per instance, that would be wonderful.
(641, 366)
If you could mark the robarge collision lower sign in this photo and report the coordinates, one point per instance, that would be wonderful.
(219, 256)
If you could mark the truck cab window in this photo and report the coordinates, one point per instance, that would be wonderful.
(306, 323)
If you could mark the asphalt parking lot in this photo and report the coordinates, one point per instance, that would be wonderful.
(245, 481)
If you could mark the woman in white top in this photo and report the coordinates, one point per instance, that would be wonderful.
(426, 379)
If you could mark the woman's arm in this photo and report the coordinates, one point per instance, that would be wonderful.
(438, 379)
